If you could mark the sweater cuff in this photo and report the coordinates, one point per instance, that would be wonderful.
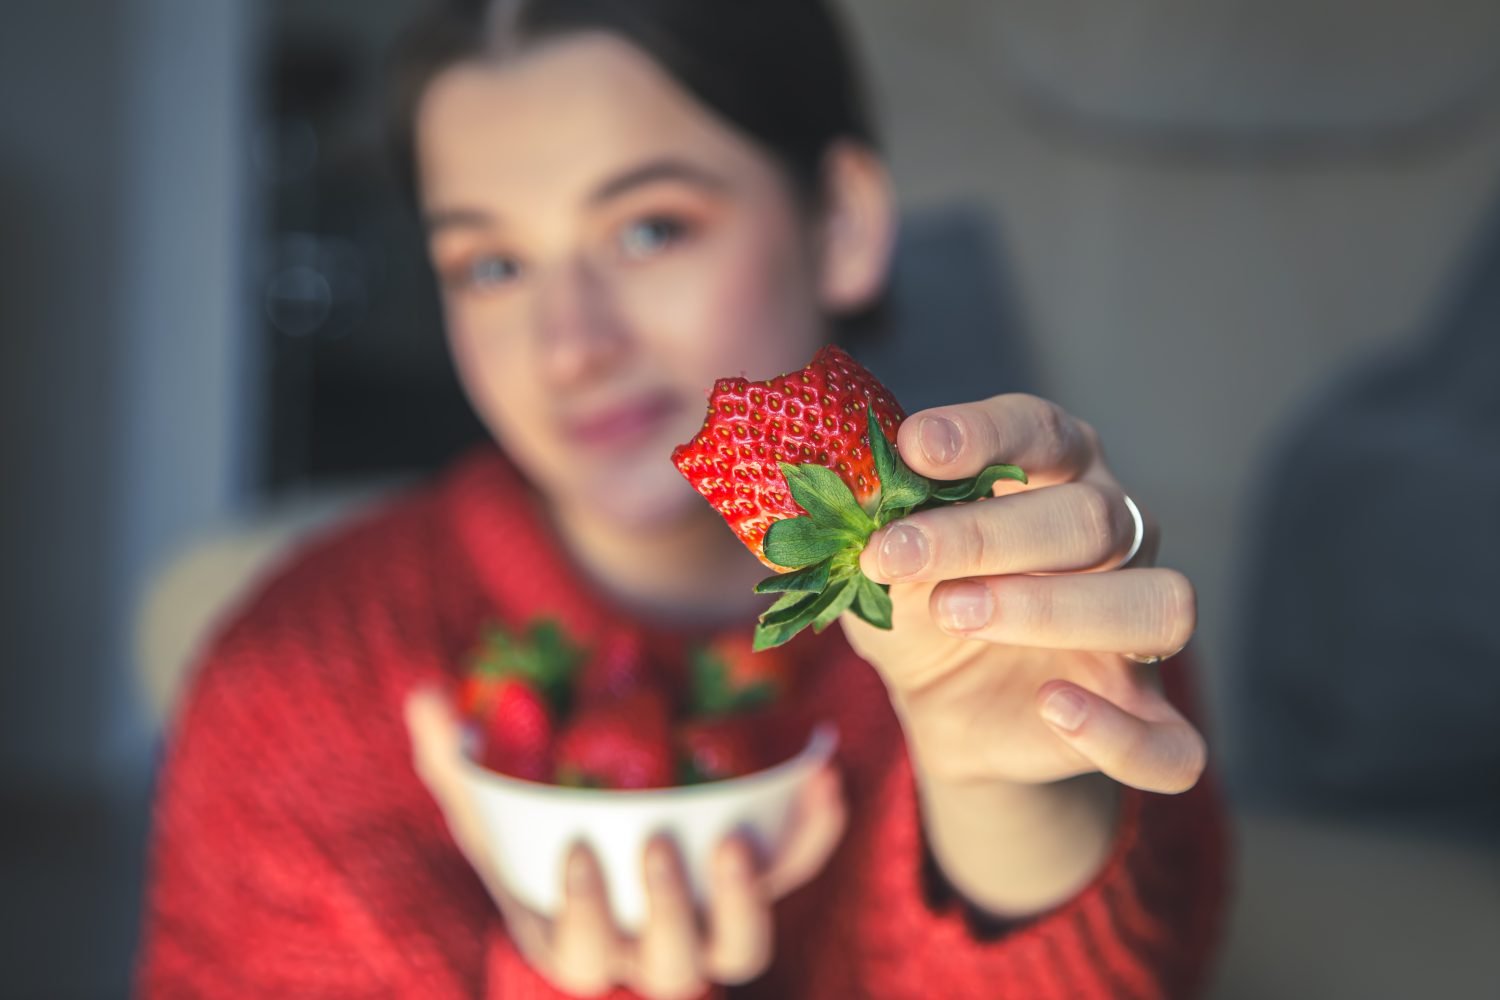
(910, 945)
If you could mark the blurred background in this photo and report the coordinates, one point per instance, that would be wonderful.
(1245, 239)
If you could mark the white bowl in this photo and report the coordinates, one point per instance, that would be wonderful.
(532, 826)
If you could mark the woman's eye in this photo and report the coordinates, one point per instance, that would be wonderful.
(651, 236)
(487, 273)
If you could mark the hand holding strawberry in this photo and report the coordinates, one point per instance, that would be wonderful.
(802, 469)
(999, 623)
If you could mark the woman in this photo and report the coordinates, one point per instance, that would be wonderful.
(626, 201)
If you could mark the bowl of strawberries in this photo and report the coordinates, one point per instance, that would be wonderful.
(611, 747)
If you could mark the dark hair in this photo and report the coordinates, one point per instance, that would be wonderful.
(779, 71)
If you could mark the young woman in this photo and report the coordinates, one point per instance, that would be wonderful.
(625, 201)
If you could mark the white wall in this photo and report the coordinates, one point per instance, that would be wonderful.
(1184, 304)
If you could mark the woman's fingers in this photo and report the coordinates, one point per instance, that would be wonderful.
(817, 826)
(1141, 611)
(586, 950)
(1069, 528)
(955, 442)
(668, 955)
(739, 916)
(437, 757)
(1162, 755)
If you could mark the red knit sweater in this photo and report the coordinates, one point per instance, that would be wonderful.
(296, 854)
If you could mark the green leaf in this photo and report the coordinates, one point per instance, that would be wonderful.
(808, 579)
(844, 592)
(982, 485)
(826, 498)
(773, 633)
(900, 488)
(797, 542)
(872, 602)
(788, 607)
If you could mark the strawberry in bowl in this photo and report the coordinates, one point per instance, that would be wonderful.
(568, 745)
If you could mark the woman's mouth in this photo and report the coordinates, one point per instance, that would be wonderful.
(621, 424)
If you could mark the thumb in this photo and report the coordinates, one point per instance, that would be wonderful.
(1162, 754)
(438, 759)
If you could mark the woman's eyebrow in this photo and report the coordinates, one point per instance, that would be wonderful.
(458, 218)
(654, 171)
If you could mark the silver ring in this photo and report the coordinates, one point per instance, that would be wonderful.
(1140, 531)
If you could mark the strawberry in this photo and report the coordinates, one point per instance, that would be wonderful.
(714, 749)
(803, 470)
(729, 676)
(817, 415)
(625, 743)
(617, 668)
(541, 655)
(517, 731)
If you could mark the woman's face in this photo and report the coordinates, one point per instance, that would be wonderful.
(607, 248)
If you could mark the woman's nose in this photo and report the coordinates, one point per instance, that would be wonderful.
(576, 325)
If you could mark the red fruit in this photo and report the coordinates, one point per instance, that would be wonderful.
(541, 655)
(714, 749)
(803, 468)
(729, 676)
(518, 731)
(618, 668)
(815, 416)
(626, 743)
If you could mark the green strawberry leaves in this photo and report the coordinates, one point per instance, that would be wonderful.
(542, 655)
(821, 550)
(826, 498)
(714, 694)
(982, 485)
(801, 541)
(807, 579)
(900, 488)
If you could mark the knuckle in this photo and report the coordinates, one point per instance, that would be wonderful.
(977, 544)
(1054, 428)
(1098, 520)
(1031, 601)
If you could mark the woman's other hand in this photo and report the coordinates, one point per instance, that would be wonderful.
(679, 952)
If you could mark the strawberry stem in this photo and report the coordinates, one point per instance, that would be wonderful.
(821, 550)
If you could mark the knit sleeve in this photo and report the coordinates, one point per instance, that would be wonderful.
(1144, 928)
(294, 853)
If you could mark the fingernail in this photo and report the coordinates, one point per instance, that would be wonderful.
(1065, 709)
(736, 862)
(939, 439)
(580, 877)
(964, 607)
(903, 551)
(658, 865)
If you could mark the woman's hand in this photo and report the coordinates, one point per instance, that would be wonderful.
(678, 952)
(1012, 615)
(1009, 661)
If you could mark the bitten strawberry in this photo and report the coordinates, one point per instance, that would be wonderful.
(814, 416)
(517, 731)
(803, 470)
(626, 743)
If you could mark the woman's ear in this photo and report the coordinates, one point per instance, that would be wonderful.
(859, 228)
